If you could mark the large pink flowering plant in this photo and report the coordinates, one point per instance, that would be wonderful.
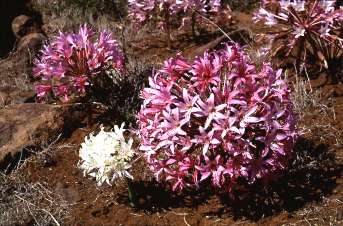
(140, 11)
(71, 62)
(218, 118)
(306, 28)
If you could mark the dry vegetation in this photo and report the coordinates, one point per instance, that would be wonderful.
(23, 203)
(36, 203)
(314, 164)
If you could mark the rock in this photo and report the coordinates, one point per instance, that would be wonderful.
(28, 33)
(193, 52)
(70, 194)
(21, 25)
(33, 41)
(11, 95)
(25, 127)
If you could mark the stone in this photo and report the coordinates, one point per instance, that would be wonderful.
(195, 51)
(12, 95)
(29, 126)
(21, 25)
(33, 41)
(70, 194)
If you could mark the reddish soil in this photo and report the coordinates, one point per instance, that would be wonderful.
(314, 178)
(311, 192)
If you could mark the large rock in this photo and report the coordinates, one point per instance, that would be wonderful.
(9, 10)
(32, 41)
(12, 95)
(30, 126)
(22, 25)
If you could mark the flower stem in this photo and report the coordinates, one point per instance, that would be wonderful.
(193, 25)
(167, 24)
(131, 193)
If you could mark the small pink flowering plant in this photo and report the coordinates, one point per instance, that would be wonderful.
(140, 11)
(304, 28)
(218, 118)
(68, 65)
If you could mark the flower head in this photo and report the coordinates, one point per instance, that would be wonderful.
(220, 120)
(140, 11)
(106, 156)
(70, 62)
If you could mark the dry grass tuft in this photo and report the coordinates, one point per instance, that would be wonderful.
(26, 203)
(316, 113)
(23, 203)
(56, 12)
(318, 123)
(313, 214)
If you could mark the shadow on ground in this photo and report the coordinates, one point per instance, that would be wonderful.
(312, 175)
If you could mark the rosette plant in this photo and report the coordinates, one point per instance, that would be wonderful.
(306, 28)
(217, 119)
(71, 63)
(140, 11)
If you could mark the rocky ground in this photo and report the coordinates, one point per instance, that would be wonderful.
(41, 184)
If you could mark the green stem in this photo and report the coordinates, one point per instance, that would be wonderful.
(167, 22)
(89, 114)
(131, 193)
(193, 25)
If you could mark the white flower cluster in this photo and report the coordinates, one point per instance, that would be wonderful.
(106, 156)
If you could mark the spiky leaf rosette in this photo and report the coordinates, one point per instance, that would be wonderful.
(306, 27)
(69, 63)
(217, 118)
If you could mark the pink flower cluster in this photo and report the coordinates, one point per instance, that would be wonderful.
(143, 10)
(218, 118)
(302, 23)
(67, 65)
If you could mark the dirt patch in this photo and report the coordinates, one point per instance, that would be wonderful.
(311, 191)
